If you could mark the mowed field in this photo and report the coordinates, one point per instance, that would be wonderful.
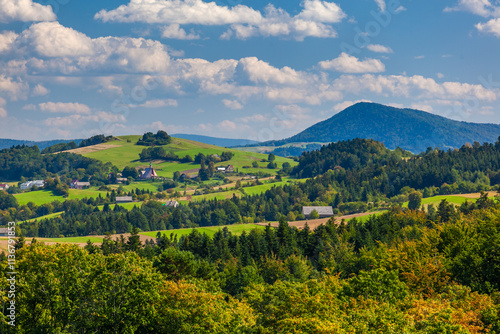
(40, 197)
(124, 152)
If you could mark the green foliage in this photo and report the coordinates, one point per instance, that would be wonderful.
(95, 140)
(158, 139)
(59, 147)
(415, 200)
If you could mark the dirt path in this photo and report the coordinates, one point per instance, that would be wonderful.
(476, 195)
(314, 223)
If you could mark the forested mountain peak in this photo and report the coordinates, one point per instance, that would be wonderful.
(410, 129)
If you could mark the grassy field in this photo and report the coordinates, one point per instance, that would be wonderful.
(40, 197)
(435, 200)
(123, 152)
(236, 229)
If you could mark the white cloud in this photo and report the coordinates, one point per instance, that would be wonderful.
(3, 112)
(440, 75)
(65, 50)
(232, 104)
(416, 86)
(259, 71)
(492, 26)
(479, 7)
(64, 107)
(15, 88)
(40, 90)
(381, 5)
(379, 48)
(24, 10)
(174, 31)
(157, 103)
(313, 21)
(419, 57)
(350, 64)
(7, 38)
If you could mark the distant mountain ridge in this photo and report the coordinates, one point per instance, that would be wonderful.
(410, 129)
(8, 143)
(223, 142)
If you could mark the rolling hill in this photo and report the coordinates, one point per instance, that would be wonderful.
(412, 130)
(123, 152)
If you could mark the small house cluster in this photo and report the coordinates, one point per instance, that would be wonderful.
(4, 186)
(30, 184)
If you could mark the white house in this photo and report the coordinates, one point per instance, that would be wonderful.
(30, 184)
(4, 186)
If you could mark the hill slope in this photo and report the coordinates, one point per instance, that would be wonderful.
(412, 130)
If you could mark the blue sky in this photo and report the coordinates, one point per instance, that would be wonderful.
(239, 69)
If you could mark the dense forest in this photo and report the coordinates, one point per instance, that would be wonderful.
(406, 271)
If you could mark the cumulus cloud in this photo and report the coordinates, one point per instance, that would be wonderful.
(64, 107)
(40, 90)
(314, 20)
(25, 11)
(350, 64)
(379, 48)
(415, 86)
(65, 50)
(79, 119)
(232, 104)
(492, 27)
(260, 71)
(7, 38)
(174, 31)
(479, 7)
(15, 88)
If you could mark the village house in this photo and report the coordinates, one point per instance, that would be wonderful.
(4, 232)
(123, 199)
(30, 184)
(225, 169)
(75, 184)
(172, 203)
(4, 186)
(323, 211)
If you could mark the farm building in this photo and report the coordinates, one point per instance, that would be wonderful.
(75, 184)
(172, 203)
(323, 211)
(148, 173)
(123, 199)
(4, 232)
(30, 184)
(4, 186)
(225, 169)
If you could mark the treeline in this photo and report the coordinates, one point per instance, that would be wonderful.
(25, 162)
(406, 271)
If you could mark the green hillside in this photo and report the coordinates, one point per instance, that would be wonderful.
(124, 152)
